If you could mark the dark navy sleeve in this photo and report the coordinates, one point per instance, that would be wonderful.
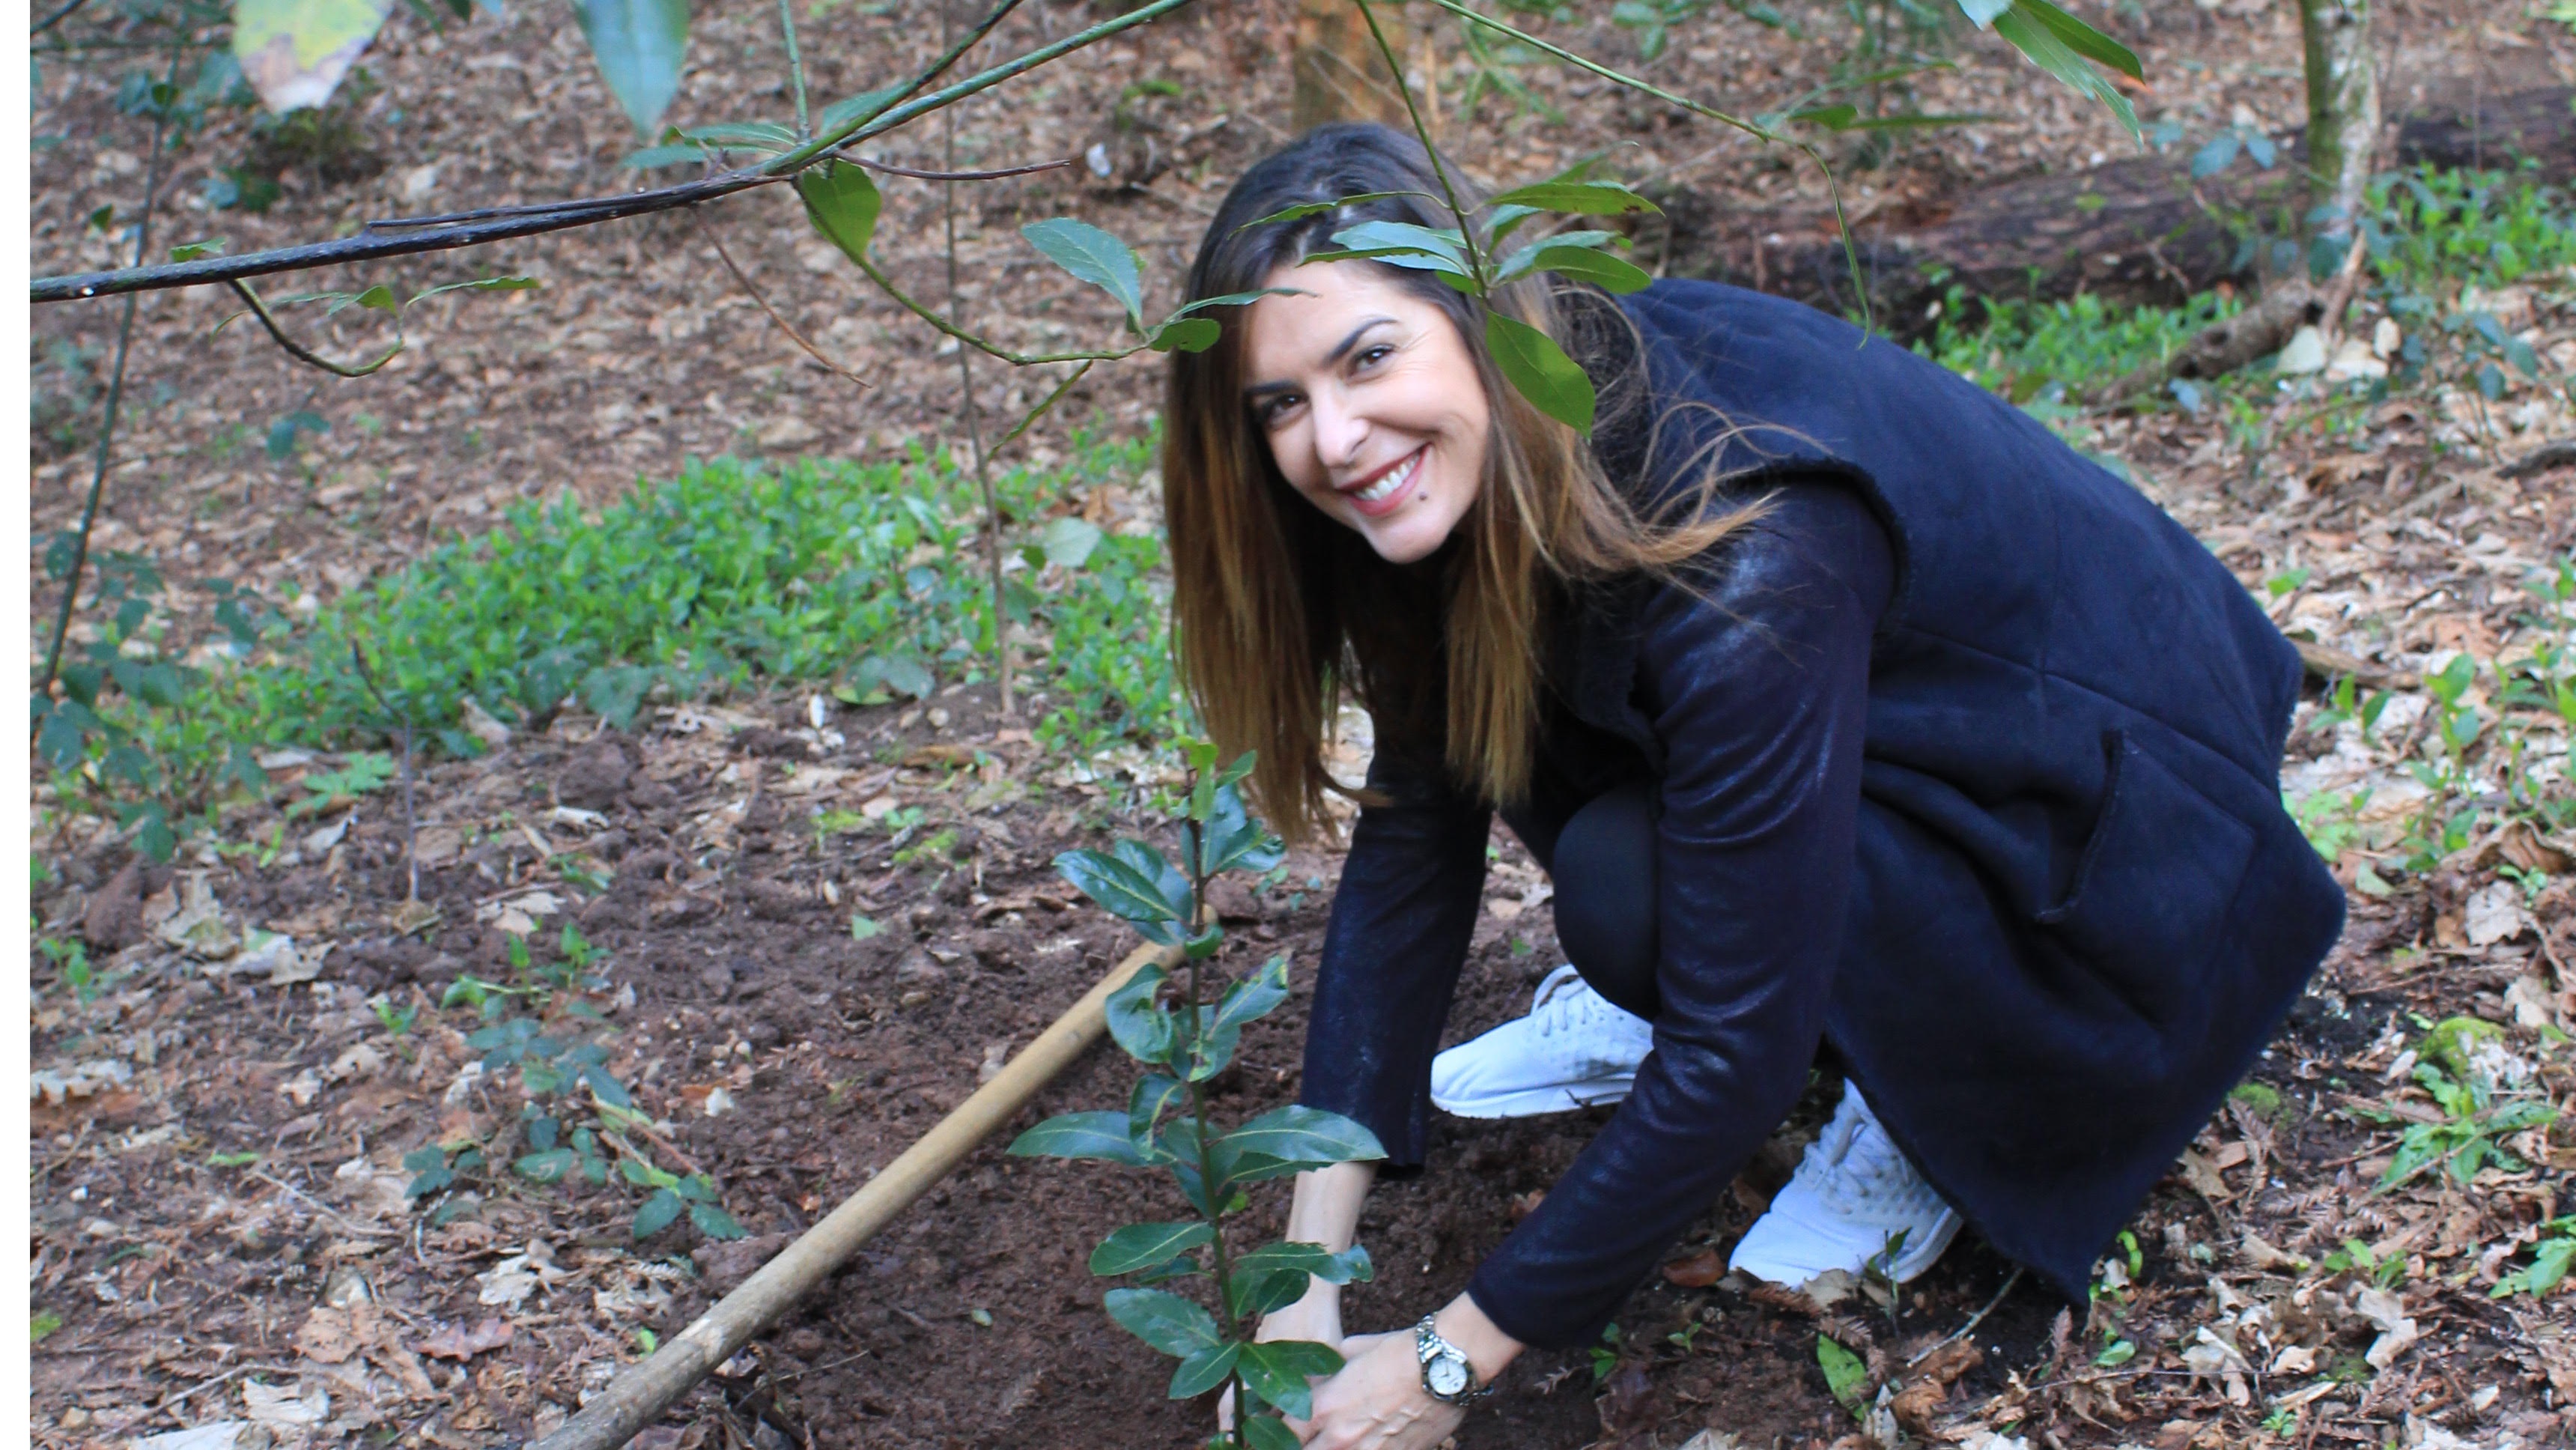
(1757, 686)
(1403, 914)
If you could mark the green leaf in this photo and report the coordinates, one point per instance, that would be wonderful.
(1136, 886)
(2038, 39)
(640, 46)
(294, 52)
(1204, 1371)
(843, 204)
(1295, 1137)
(1305, 209)
(647, 158)
(1258, 1294)
(1278, 1371)
(1094, 256)
(1185, 334)
(1350, 1266)
(714, 1222)
(1845, 1374)
(1070, 540)
(1579, 255)
(1402, 244)
(657, 1213)
(1542, 372)
(191, 251)
(1253, 997)
(755, 135)
(544, 1167)
(1101, 1135)
(1168, 1322)
(1140, 1026)
(1580, 198)
(1153, 1096)
(2086, 41)
(1267, 1433)
(1145, 1245)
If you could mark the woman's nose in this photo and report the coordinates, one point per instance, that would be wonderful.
(1340, 429)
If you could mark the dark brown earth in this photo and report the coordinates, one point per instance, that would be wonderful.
(195, 1285)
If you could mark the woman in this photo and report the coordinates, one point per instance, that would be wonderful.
(1848, 708)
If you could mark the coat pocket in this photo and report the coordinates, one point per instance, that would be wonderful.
(2154, 887)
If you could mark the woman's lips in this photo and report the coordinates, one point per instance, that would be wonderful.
(1386, 490)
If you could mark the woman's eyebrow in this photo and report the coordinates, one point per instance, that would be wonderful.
(1340, 351)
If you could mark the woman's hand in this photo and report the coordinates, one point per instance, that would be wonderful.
(1377, 1402)
(1317, 1317)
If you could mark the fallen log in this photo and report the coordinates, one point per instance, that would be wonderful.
(2132, 231)
(640, 1394)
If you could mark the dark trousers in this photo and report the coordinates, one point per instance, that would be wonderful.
(1605, 897)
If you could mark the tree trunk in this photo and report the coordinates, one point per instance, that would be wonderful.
(2343, 109)
(1340, 76)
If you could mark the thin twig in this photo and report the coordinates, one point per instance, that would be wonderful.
(886, 285)
(974, 422)
(373, 244)
(890, 169)
(115, 396)
(795, 68)
(1042, 408)
(1964, 1330)
(57, 18)
(785, 326)
(347, 1224)
(1404, 92)
(303, 354)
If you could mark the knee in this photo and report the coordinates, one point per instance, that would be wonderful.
(1605, 897)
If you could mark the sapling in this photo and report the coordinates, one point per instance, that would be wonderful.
(1166, 1124)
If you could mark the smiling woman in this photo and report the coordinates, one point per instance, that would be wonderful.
(1857, 719)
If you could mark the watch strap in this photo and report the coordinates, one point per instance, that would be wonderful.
(1428, 1345)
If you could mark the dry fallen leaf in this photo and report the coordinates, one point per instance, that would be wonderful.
(461, 1342)
(1696, 1270)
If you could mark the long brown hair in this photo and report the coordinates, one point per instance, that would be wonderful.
(1278, 609)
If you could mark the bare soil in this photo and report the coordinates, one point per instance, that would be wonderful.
(296, 1290)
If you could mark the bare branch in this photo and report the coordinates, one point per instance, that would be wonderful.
(890, 169)
(799, 338)
(397, 240)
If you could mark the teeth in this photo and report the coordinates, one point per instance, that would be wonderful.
(1391, 482)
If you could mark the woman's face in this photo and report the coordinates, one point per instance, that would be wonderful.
(1371, 404)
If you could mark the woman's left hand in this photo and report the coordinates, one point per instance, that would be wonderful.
(1377, 1402)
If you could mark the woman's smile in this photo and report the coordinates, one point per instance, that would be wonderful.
(1371, 403)
(1381, 493)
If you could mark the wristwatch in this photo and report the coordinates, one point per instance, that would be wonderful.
(1446, 1374)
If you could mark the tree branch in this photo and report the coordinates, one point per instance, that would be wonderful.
(439, 236)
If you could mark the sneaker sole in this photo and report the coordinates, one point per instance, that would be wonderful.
(1537, 1102)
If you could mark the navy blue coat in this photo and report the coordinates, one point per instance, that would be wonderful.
(2028, 870)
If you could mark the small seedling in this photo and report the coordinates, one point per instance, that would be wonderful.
(1846, 1375)
(1605, 1355)
(1166, 1123)
(2551, 1258)
(72, 958)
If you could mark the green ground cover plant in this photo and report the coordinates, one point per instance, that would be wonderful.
(857, 578)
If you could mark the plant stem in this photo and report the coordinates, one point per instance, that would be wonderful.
(795, 68)
(974, 419)
(115, 396)
(903, 299)
(1395, 71)
(1221, 1267)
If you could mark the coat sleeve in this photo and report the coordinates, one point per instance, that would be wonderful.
(1402, 917)
(1758, 687)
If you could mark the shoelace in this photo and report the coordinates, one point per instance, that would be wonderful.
(1871, 1173)
(1569, 1003)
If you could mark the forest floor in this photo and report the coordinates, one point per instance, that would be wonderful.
(812, 939)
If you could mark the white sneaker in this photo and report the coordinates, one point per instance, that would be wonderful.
(1573, 1050)
(1856, 1204)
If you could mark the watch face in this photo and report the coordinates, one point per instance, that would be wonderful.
(1447, 1375)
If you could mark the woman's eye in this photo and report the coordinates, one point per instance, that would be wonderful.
(1373, 354)
(1273, 409)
